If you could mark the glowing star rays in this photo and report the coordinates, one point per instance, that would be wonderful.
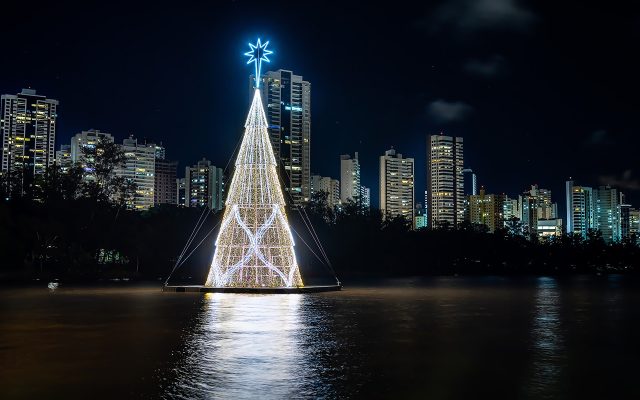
(257, 55)
(254, 247)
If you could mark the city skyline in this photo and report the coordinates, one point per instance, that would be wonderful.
(167, 233)
(564, 89)
(70, 153)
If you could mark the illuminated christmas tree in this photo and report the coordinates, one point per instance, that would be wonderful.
(254, 247)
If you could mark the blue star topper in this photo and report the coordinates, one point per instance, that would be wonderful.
(257, 55)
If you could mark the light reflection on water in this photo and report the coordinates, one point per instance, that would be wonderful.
(252, 345)
(547, 340)
(445, 338)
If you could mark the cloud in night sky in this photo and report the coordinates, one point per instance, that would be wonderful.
(443, 111)
(598, 137)
(468, 16)
(486, 68)
(624, 182)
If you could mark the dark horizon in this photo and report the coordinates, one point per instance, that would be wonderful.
(545, 91)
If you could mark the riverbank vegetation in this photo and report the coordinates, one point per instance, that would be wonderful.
(76, 225)
(80, 238)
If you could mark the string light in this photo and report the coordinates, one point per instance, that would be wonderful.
(254, 247)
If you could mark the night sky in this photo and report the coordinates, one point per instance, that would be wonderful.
(540, 92)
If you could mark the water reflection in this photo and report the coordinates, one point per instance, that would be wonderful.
(463, 339)
(251, 345)
(547, 340)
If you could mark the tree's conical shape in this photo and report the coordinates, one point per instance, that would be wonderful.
(254, 247)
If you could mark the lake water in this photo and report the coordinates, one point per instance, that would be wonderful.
(440, 338)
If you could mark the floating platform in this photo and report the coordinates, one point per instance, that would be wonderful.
(270, 290)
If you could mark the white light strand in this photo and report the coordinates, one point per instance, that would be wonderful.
(254, 247)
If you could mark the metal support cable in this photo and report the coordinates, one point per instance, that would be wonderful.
(309, 247)
(307, 223)
(309, 227)
(194, 233)
(198, 245)
(317, 237)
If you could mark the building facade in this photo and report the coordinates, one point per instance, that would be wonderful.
(420, 217)
(535, 204)
(445, 180)
(350, 178)
(426, 206)
(166, 173)
(160, 151)
(165, 189)
(28, 127)
(470, 182)
(607, 217)
(396, 186)
(545, 208)
(63, 158)
(204, 186)
(580, 209)
(625, 220)
(287, 102)
(511, 209)
(181, 192)
(88, 138)
(329, 186)
(139, 168)
(549, 228)
(634, 224)
(365, 198)
(487, 209)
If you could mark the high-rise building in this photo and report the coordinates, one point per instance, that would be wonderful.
(396, 185)
(528, 206)
(28, 136)
(470, 182)
(580, 209)
(165, 189)
(365, 198)
(549, 228)
(160, 151)
(315, 184)
(327, 185)
(607, 217)
(84, 139)
(420, 217)
(181, 192)
(63, 158)
(331, 186)
(535, 204)
(625, 220)
(87, 140)
(470, 189)
(511, 209)
(445, 180)
(349, 178)
(204, 185)
(634, 224)
(487, 209)
(545, 208)
(287, 102)
(426, 206)
(139, 168)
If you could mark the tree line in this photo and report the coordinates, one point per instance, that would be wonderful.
(366, 243)
(76, 225)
